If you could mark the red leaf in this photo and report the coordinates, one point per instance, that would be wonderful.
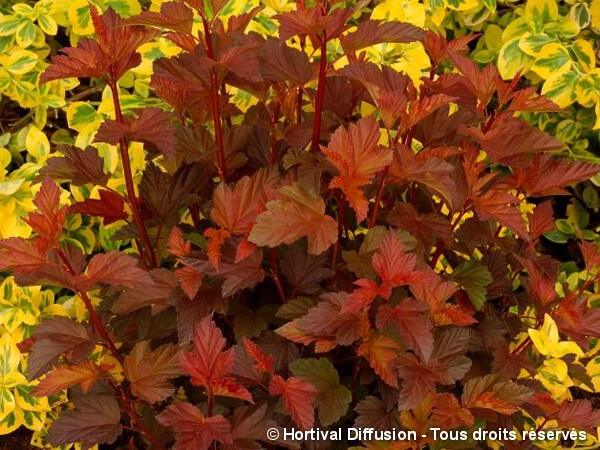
(579, 414)
(65, 376)
(577, 320)
(236, 209)
(425, 227)
(78, 166)
(298, 396)
(549, 176)
(394, 266)
(209, 364)
(541, 220)
(373, 32)
(20, 256)
(114, 268)
(152, 126)
(529, 100)
(508, 139)
(542, 273)
(111, 56)
(304, 272)
(489, 392)
(357, 156)
(176, 245)
(278, 62)
(411, 319)
(190, 280)
(94, 420)
(499, 206)
(148, 371)
(480, 82)
(295, 215)
(48, 222)
(433, 173)
(263, 362)
(591, 254)
(193, 431)
(54, 337)
(417, 381)
(362, 297)
(215, 240)
(436, 293)
(85, 60)
(312, 22)
(173, 16)
(448, 413)
(423, 107)
(110, 206)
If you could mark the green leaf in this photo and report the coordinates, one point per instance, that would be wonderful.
(580, 13)
(37, 143)
(540, 12)
(332, 398)
(511, 59)
(8, 25)
(5, 79)
(584, 53)
(588, 89)
(532, 44)
(25, 34)
(553, 59)
(473, 277)
(48, 25)
(560, 88)
(21, 62)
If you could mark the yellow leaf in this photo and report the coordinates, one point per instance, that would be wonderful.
(585, 54)
(21, 62)
(12, 421)
(560, 88)
(554, 376)
(406, 11)
(593, 370)
(546, 340)
(511, 59)
(595, 13)
(553, 59)
(37, 143)
(540, 12)
(588, 89)
(9, 357)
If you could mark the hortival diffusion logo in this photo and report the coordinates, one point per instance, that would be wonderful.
(371, 434)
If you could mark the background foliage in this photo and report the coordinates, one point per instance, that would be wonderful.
(552, 44)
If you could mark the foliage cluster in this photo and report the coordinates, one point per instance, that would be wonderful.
(270, 220)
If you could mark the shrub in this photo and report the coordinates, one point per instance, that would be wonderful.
(349, 247)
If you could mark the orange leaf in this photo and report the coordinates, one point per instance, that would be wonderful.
(357, 155)
(295, 215)
(298, 396)
(64, 377)
(380, 351)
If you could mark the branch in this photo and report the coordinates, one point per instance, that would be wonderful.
(147, 251)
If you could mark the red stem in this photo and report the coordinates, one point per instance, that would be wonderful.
(380, 188)
(147, 252)
(276, 277)
(216, 107)
(95, 319)
(320, 94)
